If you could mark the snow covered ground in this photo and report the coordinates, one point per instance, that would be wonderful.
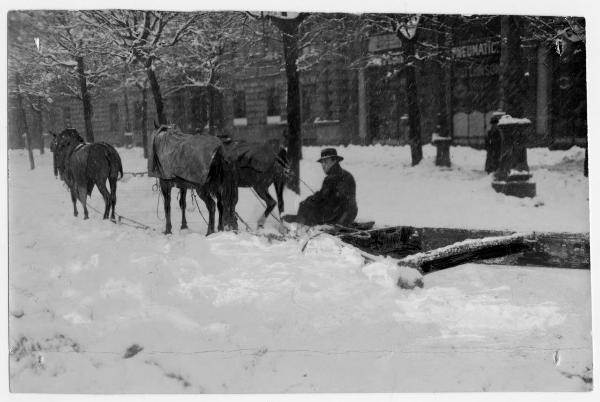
(103, 308)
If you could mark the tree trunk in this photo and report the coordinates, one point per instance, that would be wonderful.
(39, 126)
(414, 115)
(129, 142)
(511, 66)
(127, 116)
(448, 42)
(289, 30)
(444, 41)
(158, 100)
(23, 123)
(145, 119)
(211, 110)
(88, 112)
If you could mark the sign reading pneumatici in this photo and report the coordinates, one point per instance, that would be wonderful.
(476, 49)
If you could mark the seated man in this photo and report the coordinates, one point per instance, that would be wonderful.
(335, 202)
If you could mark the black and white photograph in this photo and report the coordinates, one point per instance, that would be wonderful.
(288, 199)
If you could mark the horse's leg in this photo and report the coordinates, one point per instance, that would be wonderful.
(105, 195)
(82, 193)
(220, 210)
(74, 199)
(165, 188)
(113, 196)
(279, 184)
(210, 205)
(263, 192)
(182, 196)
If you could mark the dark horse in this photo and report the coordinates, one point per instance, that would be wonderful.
(182, 161)
(82, 166)
(258, 166)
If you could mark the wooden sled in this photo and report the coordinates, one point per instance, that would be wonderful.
(432, 249)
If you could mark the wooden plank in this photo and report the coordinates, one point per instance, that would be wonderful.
(560, 250)
(470, 250)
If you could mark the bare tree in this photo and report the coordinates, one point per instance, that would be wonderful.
(289, 27)
(73, 51)
(27, 79)
(140, 38)
(206, 58)
(406, 28)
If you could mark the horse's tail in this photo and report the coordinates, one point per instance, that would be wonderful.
(114, 160)
(222, 182)
(119, 164)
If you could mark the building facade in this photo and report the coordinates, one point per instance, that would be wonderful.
(345, 103)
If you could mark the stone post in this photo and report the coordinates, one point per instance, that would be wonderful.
(512, 176)
(442, 142)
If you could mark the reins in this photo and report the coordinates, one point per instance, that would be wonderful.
(122, 218)
(243, 221)
(288, 171)
(198, 207)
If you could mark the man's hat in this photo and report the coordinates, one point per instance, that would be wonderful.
(329, 153)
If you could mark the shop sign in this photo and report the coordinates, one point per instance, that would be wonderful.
(486, 48)
(384, 43)
(477, 70)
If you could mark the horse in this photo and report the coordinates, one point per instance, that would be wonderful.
(193, 162)
(257, 167)
(82, 166)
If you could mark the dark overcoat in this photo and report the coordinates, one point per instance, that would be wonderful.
(334, 203)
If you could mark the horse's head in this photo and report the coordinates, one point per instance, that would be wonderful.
(60, 146)
(71, 134)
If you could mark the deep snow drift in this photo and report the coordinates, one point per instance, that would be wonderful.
(99, 307)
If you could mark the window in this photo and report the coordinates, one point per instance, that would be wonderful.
(179, 112)
(51, 120)
(199, 112)
(273, 106)
(239, 104)
(114, 116)
(138, 118)
(327, 95)
(239, 108)
(67, 116)
(272, 102)
(308, 96)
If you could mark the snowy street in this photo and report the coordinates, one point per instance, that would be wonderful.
(102, 308)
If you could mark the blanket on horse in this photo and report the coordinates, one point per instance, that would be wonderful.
(255, 156)
(185, 156)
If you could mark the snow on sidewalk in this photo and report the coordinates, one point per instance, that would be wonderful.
(240, 313)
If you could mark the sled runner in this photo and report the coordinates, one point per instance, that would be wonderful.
(432, 249)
